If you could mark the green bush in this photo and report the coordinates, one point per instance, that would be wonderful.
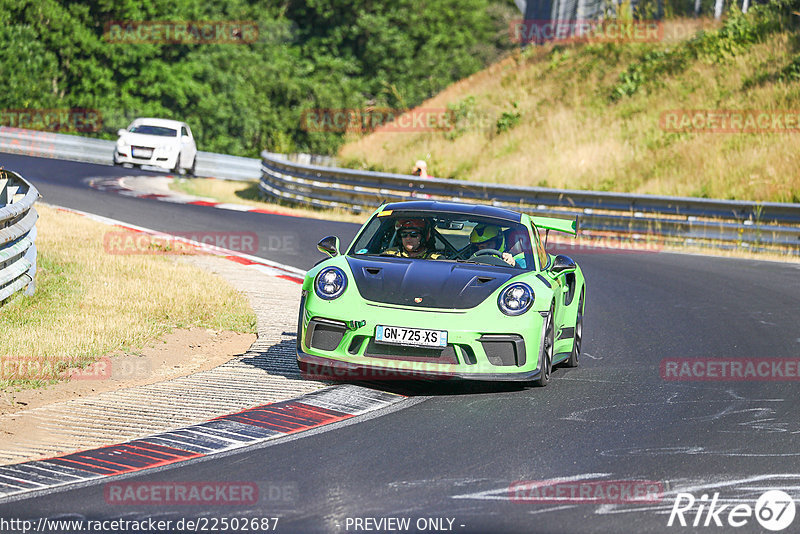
(508, 119)
(739, 32)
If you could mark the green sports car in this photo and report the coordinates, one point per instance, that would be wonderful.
(442, 290)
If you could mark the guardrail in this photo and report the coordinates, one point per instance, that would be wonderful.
(101, 151)
(17, 235)
(311, 180)
(705, 222)
(90, 150)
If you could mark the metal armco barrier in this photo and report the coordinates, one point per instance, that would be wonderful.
(706, 222)
(17, 235)
(90, 150)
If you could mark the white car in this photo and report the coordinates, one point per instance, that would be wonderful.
(159, 142)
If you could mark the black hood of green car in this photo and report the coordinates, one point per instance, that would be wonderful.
(440, 284)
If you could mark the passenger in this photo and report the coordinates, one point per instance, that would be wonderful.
(489, 236)
(416, 239)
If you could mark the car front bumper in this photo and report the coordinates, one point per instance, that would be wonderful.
(157, 158)
(482, 344)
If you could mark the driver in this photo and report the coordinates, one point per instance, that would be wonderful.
(489, 236)
(416, 240)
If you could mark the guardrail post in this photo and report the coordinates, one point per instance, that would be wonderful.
(30, 255)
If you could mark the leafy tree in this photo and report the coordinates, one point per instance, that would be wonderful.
(240, 99)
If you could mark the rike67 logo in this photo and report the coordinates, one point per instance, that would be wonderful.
(774, 510)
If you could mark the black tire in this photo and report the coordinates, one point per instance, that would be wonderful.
(193, 169)
(572, 361)
(177, 168)
(549, 343)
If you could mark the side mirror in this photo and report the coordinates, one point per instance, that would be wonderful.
(121, 132)
(562, 265)
(329, 245)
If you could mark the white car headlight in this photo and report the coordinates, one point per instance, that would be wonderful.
(515, 299)
(330, 283)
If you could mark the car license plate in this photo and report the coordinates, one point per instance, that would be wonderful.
(142, 152)
(417, 337)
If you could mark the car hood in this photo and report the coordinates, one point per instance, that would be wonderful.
(148, 140)
(439, 284)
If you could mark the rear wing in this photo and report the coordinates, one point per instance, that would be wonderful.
(569, 226)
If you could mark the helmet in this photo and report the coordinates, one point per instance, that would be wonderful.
(484, 232)
(408, 224)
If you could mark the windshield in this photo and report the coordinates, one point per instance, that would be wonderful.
(446, 237)
(154, 130)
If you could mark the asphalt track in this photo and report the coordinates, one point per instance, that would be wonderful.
(454, 451)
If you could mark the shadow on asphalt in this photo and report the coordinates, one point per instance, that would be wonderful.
(280, 359)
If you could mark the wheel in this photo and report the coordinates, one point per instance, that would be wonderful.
(193, 168)
(572, 361)
(547, 352)
(177, 168)
(488, 252)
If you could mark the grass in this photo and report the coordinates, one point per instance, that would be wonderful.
(586, 116)
(89, 303)
(248, 193)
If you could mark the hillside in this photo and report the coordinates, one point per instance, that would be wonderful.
(603, 116)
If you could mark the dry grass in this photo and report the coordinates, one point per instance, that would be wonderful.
(89, 303)
(247, 193)
(571, 134)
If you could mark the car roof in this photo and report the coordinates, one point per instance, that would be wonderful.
(455, 207)
(169, 123)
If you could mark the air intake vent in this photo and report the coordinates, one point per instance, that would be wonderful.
(323, 334)
(418, 354)
(502, 350)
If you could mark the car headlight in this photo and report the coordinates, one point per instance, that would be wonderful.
(515, 299)
(121, 142)
(330, 283)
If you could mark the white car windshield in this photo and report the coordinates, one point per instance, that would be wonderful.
(147, 129)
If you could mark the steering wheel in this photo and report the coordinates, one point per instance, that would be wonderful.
(489, 252)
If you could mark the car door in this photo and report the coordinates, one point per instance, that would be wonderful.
(188, 147)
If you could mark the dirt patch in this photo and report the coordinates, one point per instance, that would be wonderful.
(180, 353)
